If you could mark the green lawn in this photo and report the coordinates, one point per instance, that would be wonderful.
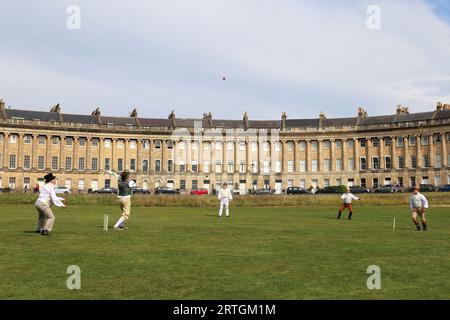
(257, 253)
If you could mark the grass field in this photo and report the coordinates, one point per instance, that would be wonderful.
(257, 253)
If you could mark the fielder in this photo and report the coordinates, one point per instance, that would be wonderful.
(125, 185)
(418, 205)
(225, 196)
(47, 197)
(347, 198)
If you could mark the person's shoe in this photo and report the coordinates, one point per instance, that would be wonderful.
(44, 232)
(418, 228)
(424, 227)
(118, 228)
(38, 231)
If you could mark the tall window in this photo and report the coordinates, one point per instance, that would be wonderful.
(265, 146)
(81, 164)
(314, 145)
(413, 162)
(326, 182)
(424, 140)
(399, 142)
(68, 163)
(326, 165)
(314, 167)
(290, 166)
(412, 181)
(145, 165)
(327, 144)
(55, 140)
(254, 146)
(12, 161)
(194, 166)
(290, 146)
(218, 145)
(387, 142)
(375, 163)
(145, 144)
(120, 144)
(438, 161)
(254, 166)
(230, 146)
(169, 144)
(230, 166)
(133, 144)
(362, 143)
(242, 146)
(412, 140)
(375, 142)
(41, 140)
(426, 161)
(363, 163)
(94, 166)
(350, 144)
(387, 163)
(82, 142)
(182, 166)
(277, 166)
(375, 182)
(54, 163)
(69, 141)
(27, 139)
(351, 164)
(157, 165)
(277, 146)
(170, 165)
(206, 166)
(401, 162)
(95, 142)
(108, 143)
(302, 145)
(242, 166)
(133, 164)
(41, 162)
(120, 164)
(338, 144)
(218, 166)
(338, 164)
(194, 184)
(302, 166)
(107, 164)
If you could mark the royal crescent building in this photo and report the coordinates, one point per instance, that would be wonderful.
(403, 148)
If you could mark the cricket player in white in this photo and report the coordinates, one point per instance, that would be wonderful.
(125, 191)
(225, 197)
(347, 198)
(418, 205)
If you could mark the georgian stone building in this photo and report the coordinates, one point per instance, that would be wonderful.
(404, 148)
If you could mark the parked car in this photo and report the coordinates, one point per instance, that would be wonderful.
(359, 189)
(296, 190)
(388, 188)
(445, 188)
(427, 188)
(166, 190)
(262, 192)
(105, 191)
(331, 190)
(5, 190)
(200, 192)
(62, 190)
(136, 190)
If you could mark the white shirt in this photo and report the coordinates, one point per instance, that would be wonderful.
(348, 197)
(47, 195)
(418, 201)
(225, 194)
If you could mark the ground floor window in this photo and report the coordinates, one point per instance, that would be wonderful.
(182, 184)
(107, 183)
(363, 183)
(194, 184)
(12, 183)
(400, 181)
(412, 181)
(81, 185)
(375, 182)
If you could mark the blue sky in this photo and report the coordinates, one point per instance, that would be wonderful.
(300, 57)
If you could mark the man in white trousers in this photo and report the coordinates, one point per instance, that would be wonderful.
(225, 197)
(125, 185)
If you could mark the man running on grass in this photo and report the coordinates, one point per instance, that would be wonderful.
(418, 205)
(347, 198)
(125, 185)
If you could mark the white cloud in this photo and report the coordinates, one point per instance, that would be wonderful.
(300, 57)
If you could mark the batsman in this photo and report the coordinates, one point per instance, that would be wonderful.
(125, 184)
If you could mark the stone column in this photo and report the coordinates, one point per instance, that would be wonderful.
(34, 155)
(432, 157)
(224, 156)
(5, 150)
(101, 157)
(75, 153)
(284, 157)
(236, 158)
(62, 152)
(333, 156)
(126, 165)
(419, 151)
(369, 153)
(381, 156)
(88, 160)
(394, 154)
(248, 159)
(308, 164)
(213, 157)
(48, 153)
(320, 155)
(114, 154)
(444, 156)
(20, 151)
(406, 157)
(344, 156)
(139, 155)
(200, 155)
(296, 156)
(164, 155)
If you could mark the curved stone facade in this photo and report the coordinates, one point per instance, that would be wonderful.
(404, 148)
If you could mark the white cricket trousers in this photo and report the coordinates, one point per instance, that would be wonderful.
(224, 203)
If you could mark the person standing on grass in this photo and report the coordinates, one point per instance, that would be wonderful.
(225, 197)
(347, 198)
(418, 205)
(47, 197)
(125, 184)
